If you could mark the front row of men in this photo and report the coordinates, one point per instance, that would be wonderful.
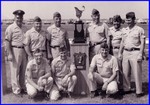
(40, 76)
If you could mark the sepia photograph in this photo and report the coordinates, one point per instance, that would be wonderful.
(74, 52)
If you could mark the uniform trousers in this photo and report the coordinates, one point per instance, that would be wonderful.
(17, 68)
(130, 63)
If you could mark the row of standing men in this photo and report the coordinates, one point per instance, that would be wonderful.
(127, 46)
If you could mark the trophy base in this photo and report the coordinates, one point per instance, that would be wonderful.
(79, 40)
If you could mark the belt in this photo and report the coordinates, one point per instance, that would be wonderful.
(132, 49)
(40, 50)
(54, 46)
(97, 43)
(116, 47)
(18, 46)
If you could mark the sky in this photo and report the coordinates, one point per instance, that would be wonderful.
(45, 9)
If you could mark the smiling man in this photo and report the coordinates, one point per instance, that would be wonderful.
(35, 38)
(57, 36)
(132, 49)
(107, 68)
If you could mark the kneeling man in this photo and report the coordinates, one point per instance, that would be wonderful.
(38, 75)
(107, 69)
(63, 72)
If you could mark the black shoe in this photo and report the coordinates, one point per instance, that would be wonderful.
(47, 98)
(23, 91)
(69, 94)
(130, 91)
(92, 94)
(140, 95)
(103, 94)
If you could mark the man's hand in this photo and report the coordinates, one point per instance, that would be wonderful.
(40, 88)
(64, 80)
(139, 58)
(120, 56)
(104, 87)
(90, 75)
(10, 57)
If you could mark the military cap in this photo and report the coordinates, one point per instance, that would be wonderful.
(56, 14)
(19, 12)
(117, 18)
(95, 12)
(37, 51)
(104, 45)
(62, 48)
(130, 15)
(37, 19)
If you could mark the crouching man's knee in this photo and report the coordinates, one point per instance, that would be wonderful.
(74, 78)
(31, 91)
(50, 80)
(112, 88)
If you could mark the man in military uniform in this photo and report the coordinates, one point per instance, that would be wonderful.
(64, 72)
(132, 47)
(14, 36)
(107, 67)
(58, 36)
(38, 75)
(98, 33)
(116, 37)
(35, 38)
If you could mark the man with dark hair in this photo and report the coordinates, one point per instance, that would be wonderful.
(64, 72)
(57, 36)
(132, 47)
(97, 32)
(38, 75)
(35, 38)
(116, 37)
(16, 54)
(107, 68)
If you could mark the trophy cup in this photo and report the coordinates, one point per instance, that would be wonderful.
(79, 36)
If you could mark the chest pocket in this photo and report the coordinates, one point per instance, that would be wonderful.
(135, 34)
(100, 30)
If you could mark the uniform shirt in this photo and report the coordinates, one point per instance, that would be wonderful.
(15, 35)
(35, 40)
(98, 33)
(61, 68)
(57, 35)
(116, 36)
(38, 70)
(105, 67)
(133, 36)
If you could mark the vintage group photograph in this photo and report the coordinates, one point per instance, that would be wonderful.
(74, 52)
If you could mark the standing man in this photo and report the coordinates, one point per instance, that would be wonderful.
(107, 67)
(14, 36)
(64, 72)
(97, 32)
(58, 36)
(116, 37)
(132, 47)
(35, 38)
(38, 75)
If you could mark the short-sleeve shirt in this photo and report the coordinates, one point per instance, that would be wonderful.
(99, 32)
(57, 35)
(116, 36)
(35, 40)
(14, 34)
(38, 70)
(105, 67)
(132, 37)
(61, 68)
